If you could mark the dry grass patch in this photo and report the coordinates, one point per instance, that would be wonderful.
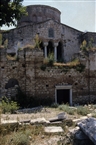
(75, 62)
(9, 57)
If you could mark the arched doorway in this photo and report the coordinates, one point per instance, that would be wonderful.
(42, 47)
(11, 83)
(59, 52)
(12, 89)
(50, 48)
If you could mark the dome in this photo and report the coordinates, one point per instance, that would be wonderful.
(39, 13)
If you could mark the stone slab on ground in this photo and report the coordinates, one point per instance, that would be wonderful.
(39, 120)
(59, 117)
(53, 129)
(80, 119)
(25, 121)
(57, 122)
(9, 121)
(88, 126)
(30, 110)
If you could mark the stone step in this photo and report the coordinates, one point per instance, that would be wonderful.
(53, 129)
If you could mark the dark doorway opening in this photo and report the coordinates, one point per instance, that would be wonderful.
(42, 47)
(59, 52)
(50, 48)
(63, 96)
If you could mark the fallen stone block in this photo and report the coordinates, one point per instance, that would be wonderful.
(9, 121)
(80, 138)
(57, 122)
(39, 120)
(80, 119)
(24, 121)
(59, 117)
(53, 129)
(88, 126)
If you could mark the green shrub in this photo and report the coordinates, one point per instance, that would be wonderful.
(80, 67)
(8, 106)
(65, 107)
(54, 105)
(82, 110)
(43, 67)
(50, 59)
(20, 138)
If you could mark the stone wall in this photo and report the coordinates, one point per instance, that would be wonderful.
(71, 40)
(35, 82)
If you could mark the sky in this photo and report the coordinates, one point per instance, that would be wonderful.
(78, 14)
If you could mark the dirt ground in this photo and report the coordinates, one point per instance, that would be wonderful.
(47, 113)
(42, 138)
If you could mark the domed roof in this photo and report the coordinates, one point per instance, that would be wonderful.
(40, 13)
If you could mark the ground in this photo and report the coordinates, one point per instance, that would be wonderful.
(38, 136)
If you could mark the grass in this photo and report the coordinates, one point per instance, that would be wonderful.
(73, 63)
(79, 110)
(65, 108)
(82, 110)
(16, 138)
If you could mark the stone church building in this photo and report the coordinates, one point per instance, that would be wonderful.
(57, 38)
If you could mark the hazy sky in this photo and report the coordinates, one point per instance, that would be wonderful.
(79, 14)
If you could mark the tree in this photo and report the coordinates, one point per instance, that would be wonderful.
(11, 11)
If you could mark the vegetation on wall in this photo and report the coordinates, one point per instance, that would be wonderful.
(3, 44)
(75, 64)
(37, 41)
(10, 57)
(49, 61)
(35, 45)
(87, 47)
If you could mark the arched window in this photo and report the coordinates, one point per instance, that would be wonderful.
(50, 48)
(51, 32)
